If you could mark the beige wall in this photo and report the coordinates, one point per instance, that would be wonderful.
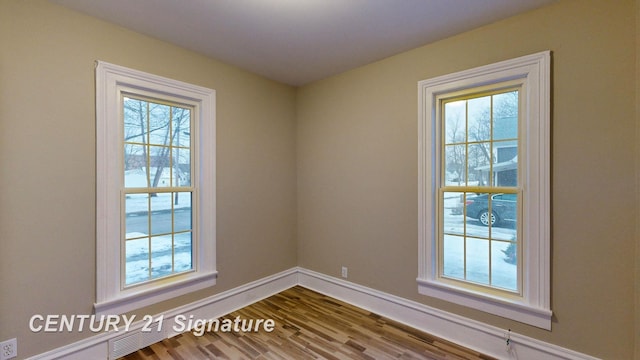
(47, 163)
(357, 168)
(349, 142)
(637, 151)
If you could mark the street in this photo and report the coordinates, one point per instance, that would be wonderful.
(160, 222)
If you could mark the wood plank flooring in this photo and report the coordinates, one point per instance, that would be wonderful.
(308, 325)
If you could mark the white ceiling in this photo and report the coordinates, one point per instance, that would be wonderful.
(300, 41)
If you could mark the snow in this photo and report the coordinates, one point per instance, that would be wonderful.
(485, 261)
(164, 250)
(139, 203)
(503, 275)
(149, 257)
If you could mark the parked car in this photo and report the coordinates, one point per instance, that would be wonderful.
(503, 208)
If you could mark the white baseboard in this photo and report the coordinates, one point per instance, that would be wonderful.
(472, 334)
(113, 344)
(466, 332)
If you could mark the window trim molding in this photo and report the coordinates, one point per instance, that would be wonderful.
(534, 307)
(111, 81)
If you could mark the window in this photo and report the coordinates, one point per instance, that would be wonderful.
(155, 188)
(158, 231)
(484, 189)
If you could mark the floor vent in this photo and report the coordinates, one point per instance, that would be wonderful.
(124, 345)
(134, 341)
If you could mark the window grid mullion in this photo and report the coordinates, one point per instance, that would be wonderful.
(148, 148)
(492, 188)
(173, 234)
(171, 183)
(493, 183)
(466, 181)
(171, 191)
(148, 235)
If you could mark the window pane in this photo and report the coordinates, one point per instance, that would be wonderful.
(159, 120)
(505, 116)
(477, 260)
(455, 122)
(161, 256)
(505, 207)
(506, 166)
(455, 164)
(135, 120)
(160, 171)
(453, 218)
(479, 164)
(181, 127)
(504, 269)
(453, 257)
(183, 252)
(136, 215)
(182, 214)
(479, 118)
(182, 166)
(476, 210)
(135, 166)
(137, 260)
(161, 213)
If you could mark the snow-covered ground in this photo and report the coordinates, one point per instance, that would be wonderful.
(500, 274)
(486, 264)
(165, 252)
(169, 254)
(139, 203)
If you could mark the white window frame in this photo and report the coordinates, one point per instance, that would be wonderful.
(111, 82)
(532, 72)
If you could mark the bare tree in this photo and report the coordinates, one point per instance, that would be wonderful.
(152, 129)
(456, 154)
(473, 127)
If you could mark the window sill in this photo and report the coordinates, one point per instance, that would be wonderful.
(132, 299)
(510, 309)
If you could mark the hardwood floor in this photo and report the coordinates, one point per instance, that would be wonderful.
(308, 325)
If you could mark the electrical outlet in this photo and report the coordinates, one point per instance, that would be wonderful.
(507, 339)
(9, 349)
(345, 272)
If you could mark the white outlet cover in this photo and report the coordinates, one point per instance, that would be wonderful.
(9, 349)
